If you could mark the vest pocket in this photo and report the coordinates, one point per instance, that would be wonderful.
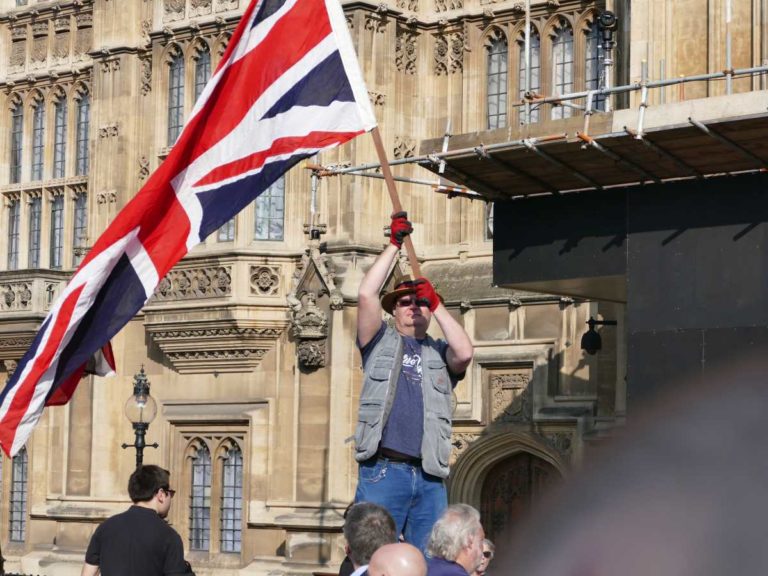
(368, 417)
(444, 443)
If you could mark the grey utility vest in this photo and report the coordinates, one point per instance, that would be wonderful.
(381, 375)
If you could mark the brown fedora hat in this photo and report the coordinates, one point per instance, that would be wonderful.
(401, 289)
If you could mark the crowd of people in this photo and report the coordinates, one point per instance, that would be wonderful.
(456, 545)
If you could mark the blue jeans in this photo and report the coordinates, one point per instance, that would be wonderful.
(414, 498)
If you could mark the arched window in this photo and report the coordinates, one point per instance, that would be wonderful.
(80, 228)
(18, 510)
(202, 70)
(232, 500)
(60, 138)
(496, 103)
(82, 153)
(593, 64)
(38, 140)
(14, 221)
(175, 98)
(270, 209)
(562, 67)
(227, 232)
(35, 214)
(17, 127)
(535, 79)
(200, 502)
(57, 231)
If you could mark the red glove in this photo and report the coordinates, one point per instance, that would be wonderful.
(400, 228)
(425, 293)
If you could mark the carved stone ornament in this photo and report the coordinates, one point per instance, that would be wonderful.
(460, 442)
(83, 41)
(40, 28)
(62, 24)
(377, 98)
(311, 353)
(146, 76)
(61, 45)
(108, 197)
(376, 21)
(18, 55)
(404, 147)
(194, 283)
(510, 396)
(39, 52)
(265, 280)
(109, 130)
(15, 296)
(10, 366)
(309, 321)
(412, 5)
(111, 65)
(405, 51)
(445, 5)
(173, 10)
(143, 168)
(226, 5)
(19, 33)
(200, 7)
(560, 441)
(195, 347)
(449, 53)
(441, 55)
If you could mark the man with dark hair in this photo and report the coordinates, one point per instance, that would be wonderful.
(139, 541)
(367, 528)
(403, 434)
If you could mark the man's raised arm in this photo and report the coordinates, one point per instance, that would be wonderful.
(369, 307)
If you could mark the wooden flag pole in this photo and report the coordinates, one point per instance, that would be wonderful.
(396, 206)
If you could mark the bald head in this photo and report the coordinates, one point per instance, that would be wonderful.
(397, 560)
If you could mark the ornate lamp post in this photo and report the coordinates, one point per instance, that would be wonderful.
(140, 409)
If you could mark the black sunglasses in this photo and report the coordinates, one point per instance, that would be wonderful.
(406, 302)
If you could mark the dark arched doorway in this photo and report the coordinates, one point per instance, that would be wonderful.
(509, 489)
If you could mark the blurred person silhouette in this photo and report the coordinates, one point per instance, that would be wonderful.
(399, 559)
(679, 492)
(455, 544)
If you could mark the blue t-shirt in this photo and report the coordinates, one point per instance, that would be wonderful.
(404, 428)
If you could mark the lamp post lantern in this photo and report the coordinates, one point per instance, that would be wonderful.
(140, 409)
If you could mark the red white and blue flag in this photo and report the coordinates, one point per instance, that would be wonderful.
(288, 86)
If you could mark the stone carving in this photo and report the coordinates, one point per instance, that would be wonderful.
(224, 5)
(11, 365)
(444, 5)
(405, 51)
(560, 441)
(40, 28)
(265, 280)
(235, 354)
(200, 7)
(146, 29)
(457, 52)
(143, 168)
(311, 353)
(441, 55)
(221, 44)
(62, 24)
(236, 332)
(309, 326)
(173, 10)
(449, 53)
(404, 147)
(39, 53)
(18, 56)
(146, 75)
(412, 5)
(109, 197)
(460, 442)
(336, 300)
(84, 38)
(61, 44)
(15, 296)
(510, 396)
(51, 292)
(377, 21)
(112, 65)
(377, 98)
(109, 130)
(193, 283)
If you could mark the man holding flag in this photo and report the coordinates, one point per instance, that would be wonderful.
(283, 91)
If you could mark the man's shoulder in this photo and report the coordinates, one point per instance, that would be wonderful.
(443, 567)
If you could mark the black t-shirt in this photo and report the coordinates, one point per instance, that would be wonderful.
(136, 542)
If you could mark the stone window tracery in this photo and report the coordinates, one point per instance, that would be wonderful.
(82, 153)
(270, 212)
(175, 95)
(80, 227)
(17, 516)
(17, 127)
(14, 221)
(593, 63)
(57, 231)
(562, 65)
(200, 501)
(38, 139)
(496, 95)
(35, 217)
(535, 78)
(60, 137)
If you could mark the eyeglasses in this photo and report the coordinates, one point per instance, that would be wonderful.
(169, 491)
(487, 554)
(408, 302)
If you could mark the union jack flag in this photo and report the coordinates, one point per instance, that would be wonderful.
(288, 86)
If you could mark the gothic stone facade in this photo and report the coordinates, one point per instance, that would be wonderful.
(249, 342)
